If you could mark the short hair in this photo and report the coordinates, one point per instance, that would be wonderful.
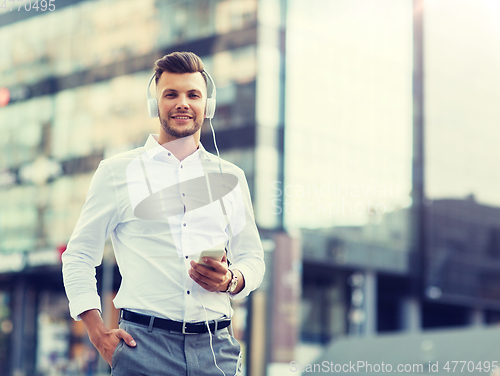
(179, 62)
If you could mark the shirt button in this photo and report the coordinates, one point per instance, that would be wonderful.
(169, 154)
(187, 256)
(184, 224)
(183, 194)
(181, 166)
(188, 292)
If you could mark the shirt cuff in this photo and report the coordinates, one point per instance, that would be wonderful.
(245, 272)
(85, 303)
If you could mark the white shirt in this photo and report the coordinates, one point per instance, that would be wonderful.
(153, 255)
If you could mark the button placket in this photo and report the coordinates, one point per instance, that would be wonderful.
(181, 175)
(184, 177)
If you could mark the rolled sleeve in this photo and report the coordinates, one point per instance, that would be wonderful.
(246, 247)
(84, 252)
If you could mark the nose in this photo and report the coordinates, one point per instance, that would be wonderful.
(182, 104)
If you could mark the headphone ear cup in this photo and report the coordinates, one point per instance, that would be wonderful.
(210, 108)
(152, 107)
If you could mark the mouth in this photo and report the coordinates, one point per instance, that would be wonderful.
(181, 117)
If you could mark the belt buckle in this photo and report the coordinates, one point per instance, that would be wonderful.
(184, 325)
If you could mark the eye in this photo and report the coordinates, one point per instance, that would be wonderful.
(170, 95)
(193, 95)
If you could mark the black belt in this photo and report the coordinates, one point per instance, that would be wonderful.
(177, 326)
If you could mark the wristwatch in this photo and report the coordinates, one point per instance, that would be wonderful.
(233, 283)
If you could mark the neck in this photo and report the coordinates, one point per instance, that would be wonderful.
(180, 147)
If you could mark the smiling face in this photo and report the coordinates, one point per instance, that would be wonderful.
(181, 105)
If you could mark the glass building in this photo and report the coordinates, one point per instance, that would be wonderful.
(366, 130)
(348, 161)
(73, 92)
(389, 165)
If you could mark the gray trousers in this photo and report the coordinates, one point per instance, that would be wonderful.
(166, 353)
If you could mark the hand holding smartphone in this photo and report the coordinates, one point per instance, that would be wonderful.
(216, 254)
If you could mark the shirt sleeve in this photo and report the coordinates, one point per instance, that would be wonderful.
(246, 247)
(84, 252)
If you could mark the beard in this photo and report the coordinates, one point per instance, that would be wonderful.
(169, 127)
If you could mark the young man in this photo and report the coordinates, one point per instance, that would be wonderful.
(163, 204)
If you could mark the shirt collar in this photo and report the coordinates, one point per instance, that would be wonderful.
(153, 148)
(203, 152)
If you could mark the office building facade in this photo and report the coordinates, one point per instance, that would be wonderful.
(74, 92)
(374, 217)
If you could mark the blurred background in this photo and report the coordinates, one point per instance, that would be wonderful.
(368, 131)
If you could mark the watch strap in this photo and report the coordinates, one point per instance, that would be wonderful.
(233, 283)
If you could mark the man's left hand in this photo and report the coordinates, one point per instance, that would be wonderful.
(211, 280)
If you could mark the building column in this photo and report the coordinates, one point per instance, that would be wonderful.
(19, 299)
(24, 317)
(477, 317)
(370, 287)
(284, 328)
(411, 316)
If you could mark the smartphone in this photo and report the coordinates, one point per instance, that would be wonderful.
(215, 254)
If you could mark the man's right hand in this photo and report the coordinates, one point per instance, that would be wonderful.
(104, 339)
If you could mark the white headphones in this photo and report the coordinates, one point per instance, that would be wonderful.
(209, 109)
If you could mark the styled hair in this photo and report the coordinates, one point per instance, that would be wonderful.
(179, 62)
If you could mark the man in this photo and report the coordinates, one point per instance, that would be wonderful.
(163, 204)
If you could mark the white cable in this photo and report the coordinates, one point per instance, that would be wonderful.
(229, 245)
(209, 189)
(209, 332)
(217, 149)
